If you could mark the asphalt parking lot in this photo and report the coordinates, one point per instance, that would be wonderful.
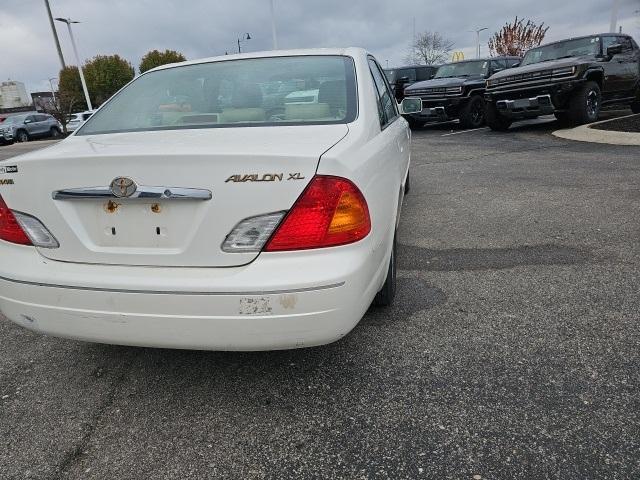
(512, 350)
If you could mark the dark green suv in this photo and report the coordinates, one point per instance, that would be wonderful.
(572, 79)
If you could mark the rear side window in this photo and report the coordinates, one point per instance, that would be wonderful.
(296, 90)
(386, 101)
(626, 43)
(409, 73)
(498, 65)
(424, 73)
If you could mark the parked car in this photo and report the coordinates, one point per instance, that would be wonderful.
(25, 127)
(77, 119)
(207, 224)
(401, 77)
(457, 92)
(572, 79)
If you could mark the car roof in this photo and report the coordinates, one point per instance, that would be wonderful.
(347, 51)
(608, 34)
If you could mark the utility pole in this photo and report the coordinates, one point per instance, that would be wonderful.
(55, 33)
(68, 21)
(614, 16)
(273, 26)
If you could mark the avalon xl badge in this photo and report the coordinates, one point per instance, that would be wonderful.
(123, 187)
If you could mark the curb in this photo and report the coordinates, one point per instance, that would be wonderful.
(585, 133)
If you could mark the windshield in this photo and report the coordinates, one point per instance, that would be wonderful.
(463, 69)
(570, 48)
(295, 90)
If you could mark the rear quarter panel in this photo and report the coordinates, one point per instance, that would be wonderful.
(377, 161)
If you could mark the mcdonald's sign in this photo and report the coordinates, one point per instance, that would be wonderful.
(457, 56)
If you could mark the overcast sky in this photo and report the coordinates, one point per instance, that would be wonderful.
(204, 28)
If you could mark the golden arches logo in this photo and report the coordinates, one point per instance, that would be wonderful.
(457, 56)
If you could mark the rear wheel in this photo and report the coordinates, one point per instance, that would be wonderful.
(54, 132)
(635, 107)
(584, 104)
(495, 121)
(414, 124)
(473, 113)
(22, 136)
(562, 117)
(385, 296)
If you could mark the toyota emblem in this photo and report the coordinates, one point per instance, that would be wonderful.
(123, 187)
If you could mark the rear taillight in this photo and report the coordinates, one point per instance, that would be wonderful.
(10, 229)
(331, 211)
(23, 229)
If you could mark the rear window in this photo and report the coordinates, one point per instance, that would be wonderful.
(297, 90)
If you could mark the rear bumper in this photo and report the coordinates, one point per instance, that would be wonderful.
(270, 304)
(526, 107)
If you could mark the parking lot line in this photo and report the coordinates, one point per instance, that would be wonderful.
(465, 131)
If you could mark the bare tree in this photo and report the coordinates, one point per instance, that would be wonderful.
(429, 48)
(62, 108)
(517, 37)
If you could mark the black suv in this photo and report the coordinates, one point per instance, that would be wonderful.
(401, 77)
(571, 78)
(457, 91)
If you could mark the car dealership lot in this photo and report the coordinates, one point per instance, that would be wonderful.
(511, 350)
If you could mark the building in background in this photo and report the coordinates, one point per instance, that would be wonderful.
(43, 101)
(13, 95)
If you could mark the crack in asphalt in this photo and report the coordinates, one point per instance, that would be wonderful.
(75, 453)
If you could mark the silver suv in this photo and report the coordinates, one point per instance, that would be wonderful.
(24, 127)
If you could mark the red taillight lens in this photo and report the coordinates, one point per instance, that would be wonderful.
(330, 212)
(10, 229)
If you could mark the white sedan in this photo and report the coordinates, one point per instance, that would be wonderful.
(179, 215)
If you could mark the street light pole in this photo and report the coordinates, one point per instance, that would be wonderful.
(247, 37)
(55, 33)
(68, 21)
(478, 39)
(53, 93)
(614, 15)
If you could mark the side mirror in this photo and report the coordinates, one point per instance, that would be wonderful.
(403, 80)
(411, 105)
(27, 120)
(496, 70)
(432, 76)
(515, 65)
(614, 49)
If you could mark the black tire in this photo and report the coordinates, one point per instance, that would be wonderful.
(584, 104)
(407, 184)
(562, 117)
(474, 112)
(22, 136)
(635, 107)
(414, 124)
(384, 298)
(495, 121)
(54, 132)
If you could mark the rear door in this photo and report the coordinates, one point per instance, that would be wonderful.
(391, 145)
(630, 58)
(614, 70)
